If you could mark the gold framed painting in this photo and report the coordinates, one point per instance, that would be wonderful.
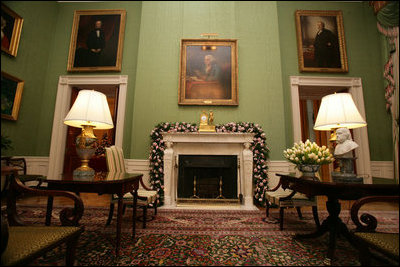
(11, 27)
(11, 94)
(320, 41)
(97, 40)
(208, 72)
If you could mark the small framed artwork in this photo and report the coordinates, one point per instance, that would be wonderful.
(11, 93)
(208, 72)
(11, 27)
(320, 41)
(97, 40)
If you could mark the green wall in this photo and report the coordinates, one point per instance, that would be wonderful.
(364, 52)
(164, 24)
(267, 56)
(31, 65)
(42, 58)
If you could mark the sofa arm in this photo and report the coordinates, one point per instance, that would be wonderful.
(369, 220)
(68, 215)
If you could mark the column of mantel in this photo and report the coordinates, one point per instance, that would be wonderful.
(168, 174)
(248, 173)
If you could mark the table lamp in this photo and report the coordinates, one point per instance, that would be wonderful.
(339, 111)
(89, 111)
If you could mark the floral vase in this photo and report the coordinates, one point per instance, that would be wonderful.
(309, 170)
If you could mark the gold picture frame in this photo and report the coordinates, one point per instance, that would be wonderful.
(320, 41)
(208, 72)
(11, 94)
(11, 28)
(97, 40)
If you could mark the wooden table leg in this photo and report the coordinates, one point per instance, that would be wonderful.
(333, 224)
(49, 210)
(119, 223)
(134, 214)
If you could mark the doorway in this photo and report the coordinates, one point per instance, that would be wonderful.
(63, 104)
(316, 87)
(310, 101)
(104, 137)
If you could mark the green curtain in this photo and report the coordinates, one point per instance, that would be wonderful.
(388, 25)
(388, 16)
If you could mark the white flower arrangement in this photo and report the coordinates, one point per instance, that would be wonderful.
(308, 153)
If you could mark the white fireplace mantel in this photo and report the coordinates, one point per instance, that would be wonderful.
(200, 143)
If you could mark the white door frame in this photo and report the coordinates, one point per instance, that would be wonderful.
(360, 135)
(59, 132)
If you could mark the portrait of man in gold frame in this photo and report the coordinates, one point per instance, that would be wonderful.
(320, 41)
(11, 28)
(97, 40)
(208, 72)
(11, 94)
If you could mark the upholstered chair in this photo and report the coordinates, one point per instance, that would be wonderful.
(284, 199)
(146, 196)
(370, 242)
(20, 164)
(23, 242)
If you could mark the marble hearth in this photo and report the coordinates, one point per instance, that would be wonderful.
(237, 144)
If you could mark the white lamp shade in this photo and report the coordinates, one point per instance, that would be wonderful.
(336, 111)
(90, 108)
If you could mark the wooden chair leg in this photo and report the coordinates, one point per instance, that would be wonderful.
(144, 216)
(267, 209)
(110, 214)
(281, 209)
(299, 212)
(315, 215)
(155, 206)
(364, 255)
(70, 251)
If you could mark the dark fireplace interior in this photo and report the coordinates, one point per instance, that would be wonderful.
(207, 176)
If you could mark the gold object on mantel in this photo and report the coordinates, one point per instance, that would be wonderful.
(207, 122)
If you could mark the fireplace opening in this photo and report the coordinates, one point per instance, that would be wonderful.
(207, 177)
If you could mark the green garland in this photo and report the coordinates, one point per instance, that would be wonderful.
(258, 147)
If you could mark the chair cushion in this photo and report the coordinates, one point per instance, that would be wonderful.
(388, 242)
(297, 200)
(151, 195)
(25, 241)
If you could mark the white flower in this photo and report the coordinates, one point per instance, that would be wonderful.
(308, 153)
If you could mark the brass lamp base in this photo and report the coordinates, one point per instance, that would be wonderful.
(84, 169)
(85, 148)
(333, 136)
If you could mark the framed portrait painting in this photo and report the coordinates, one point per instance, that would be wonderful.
(11, 93)
(97, 40)
(208, 72)
(11, 27)
(320, 41)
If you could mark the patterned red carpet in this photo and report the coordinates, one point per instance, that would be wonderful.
(208, 238)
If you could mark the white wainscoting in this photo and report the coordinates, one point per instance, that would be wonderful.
(36, 165)
(382, 169)
(139, 166)
(40, 165)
